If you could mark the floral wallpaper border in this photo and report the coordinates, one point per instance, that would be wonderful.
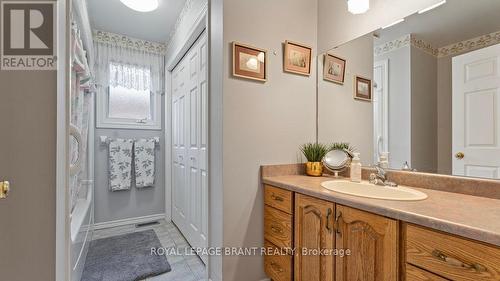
(129, 42)
(424, 46)
(403, 41)
(392, 45)
(450, 50)
(471, 44)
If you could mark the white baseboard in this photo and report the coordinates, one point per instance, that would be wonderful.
(266, 279)
(136, 220)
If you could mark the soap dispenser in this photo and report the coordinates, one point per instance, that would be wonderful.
(356, 168)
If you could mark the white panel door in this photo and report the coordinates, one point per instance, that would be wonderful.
(476, 109)
(179, 139)
(192, 125)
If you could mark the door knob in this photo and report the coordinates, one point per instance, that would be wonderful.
(459, 155)
(4, 189)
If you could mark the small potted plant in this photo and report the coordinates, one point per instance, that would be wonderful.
(314, 153)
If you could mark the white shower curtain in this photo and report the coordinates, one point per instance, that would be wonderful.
(80, 108)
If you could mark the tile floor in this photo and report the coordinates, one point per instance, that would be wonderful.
(184, 267)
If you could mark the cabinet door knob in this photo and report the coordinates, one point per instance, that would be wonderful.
(4, 189)
(460, 155)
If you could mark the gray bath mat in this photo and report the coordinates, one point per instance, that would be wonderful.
(124, 258)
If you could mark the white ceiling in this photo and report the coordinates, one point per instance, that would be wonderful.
(113, 16)
(455, 21)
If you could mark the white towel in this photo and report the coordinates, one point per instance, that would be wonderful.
(120, 164)
(144, 153)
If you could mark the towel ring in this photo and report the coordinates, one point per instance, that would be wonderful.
(74, 167)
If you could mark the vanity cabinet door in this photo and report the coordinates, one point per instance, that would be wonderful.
(313, 232)
(373, 244)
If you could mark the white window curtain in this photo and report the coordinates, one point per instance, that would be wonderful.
(130, 76)
(129, 67)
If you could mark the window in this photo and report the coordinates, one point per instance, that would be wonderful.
(128, 102)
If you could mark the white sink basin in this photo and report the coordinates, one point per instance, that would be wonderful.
(366, 189)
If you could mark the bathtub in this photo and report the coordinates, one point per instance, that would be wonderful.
(82, 221)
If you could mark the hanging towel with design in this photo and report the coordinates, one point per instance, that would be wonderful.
(120, 164)
(144, 162)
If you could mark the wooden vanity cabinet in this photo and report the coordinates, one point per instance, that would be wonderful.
(311, 225)
(376, 253)
(278, 233)
(373, 244)
(313, 233)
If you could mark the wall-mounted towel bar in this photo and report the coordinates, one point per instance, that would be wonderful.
(104, 140)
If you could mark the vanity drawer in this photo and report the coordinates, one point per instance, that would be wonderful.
(416, 274)
(450, 256)
(278, 198)
(278, 227)
(278, 267)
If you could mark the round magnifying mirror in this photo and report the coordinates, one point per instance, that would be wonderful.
(336, 160)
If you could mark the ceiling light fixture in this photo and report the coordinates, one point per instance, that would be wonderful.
(394, 23)
(141, 5)
(358, 6)
(432, 7)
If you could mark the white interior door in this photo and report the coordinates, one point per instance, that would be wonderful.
(476, 109)
(190, 113)
(179, 149)
(380, 108)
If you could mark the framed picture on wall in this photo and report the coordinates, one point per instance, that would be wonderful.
(297, 58)
(362, 88)
(249, 62)
(334, 68)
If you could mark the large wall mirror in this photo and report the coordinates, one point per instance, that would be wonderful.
(425, 90)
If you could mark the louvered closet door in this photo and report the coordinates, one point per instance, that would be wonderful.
(194, 184)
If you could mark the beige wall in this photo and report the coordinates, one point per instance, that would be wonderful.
(341, 118)
(444, 101)
(264, 123)
(423, 111)
(27, 159)
(336, 25)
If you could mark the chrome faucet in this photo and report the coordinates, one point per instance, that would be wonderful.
(380, 173)
(380, 178)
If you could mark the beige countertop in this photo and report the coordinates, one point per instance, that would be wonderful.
(469, 216)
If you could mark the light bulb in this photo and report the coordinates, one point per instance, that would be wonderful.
(358, 6)
(141, 5)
